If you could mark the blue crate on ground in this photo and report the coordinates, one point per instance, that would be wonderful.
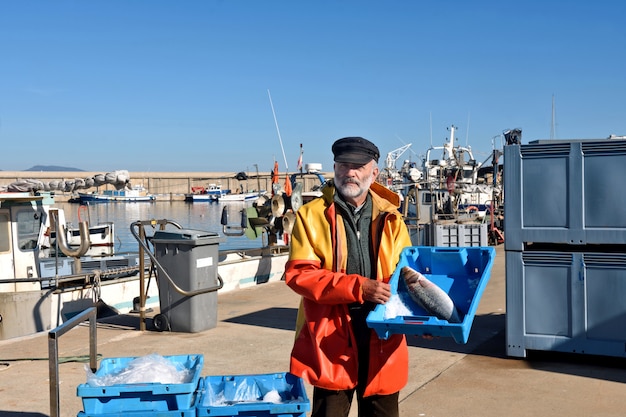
(142, 397)
(174, 413)
(247, 395)
(462, 273)
(191, 412)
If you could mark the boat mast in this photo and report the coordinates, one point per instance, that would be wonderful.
(278, 131)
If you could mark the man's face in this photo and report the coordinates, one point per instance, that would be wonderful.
(353, 180)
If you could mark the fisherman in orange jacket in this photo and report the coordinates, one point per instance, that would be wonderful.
(344, 249)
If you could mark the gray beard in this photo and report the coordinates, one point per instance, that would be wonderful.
(347, 190)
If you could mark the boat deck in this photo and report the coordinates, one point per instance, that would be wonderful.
(254, 334)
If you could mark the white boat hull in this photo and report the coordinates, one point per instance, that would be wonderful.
(211, 193)
(29, 312)
(241, 270)
(240, 197)
(201, 197)
(41, 289)
(96, 198)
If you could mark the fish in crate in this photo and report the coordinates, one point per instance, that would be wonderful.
(435, 291)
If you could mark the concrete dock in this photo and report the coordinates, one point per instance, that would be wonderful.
(254, 335)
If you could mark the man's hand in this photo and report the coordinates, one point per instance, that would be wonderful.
(375, 291)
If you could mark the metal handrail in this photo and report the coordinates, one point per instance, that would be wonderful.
(53, 352)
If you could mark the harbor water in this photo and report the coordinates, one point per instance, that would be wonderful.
(205, 216)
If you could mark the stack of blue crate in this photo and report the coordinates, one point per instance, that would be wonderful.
(565, 243)
(258, 395)
(143, 399)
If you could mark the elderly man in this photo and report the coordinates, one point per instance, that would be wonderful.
(344, 249)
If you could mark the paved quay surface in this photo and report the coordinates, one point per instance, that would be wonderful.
(254, 335)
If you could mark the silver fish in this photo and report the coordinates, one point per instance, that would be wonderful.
(429, 296)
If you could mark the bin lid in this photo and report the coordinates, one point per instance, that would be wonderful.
(186, 236)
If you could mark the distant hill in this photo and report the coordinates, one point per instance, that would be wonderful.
(46, 168)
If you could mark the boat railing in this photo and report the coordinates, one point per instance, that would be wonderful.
(53, 352)
(68, 282)
(62, 238)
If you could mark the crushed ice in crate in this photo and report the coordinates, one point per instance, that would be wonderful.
(247, 391)
(272, 397)
(146, 369)
(395, 307)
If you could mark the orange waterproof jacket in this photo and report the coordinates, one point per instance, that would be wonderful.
(325, 352)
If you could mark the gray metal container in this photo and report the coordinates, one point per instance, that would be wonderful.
(190, 258)
(566, 301)
(566, 192)
(565, 231)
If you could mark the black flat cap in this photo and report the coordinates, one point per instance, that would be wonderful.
(355, 150)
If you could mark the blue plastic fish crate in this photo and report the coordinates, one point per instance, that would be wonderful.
(191, 412)
(142, 399)
(247, 395)
(462, 273)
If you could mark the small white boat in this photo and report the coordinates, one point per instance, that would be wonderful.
(211, 193)
(135, 194)
(215, 192)
(246, 196)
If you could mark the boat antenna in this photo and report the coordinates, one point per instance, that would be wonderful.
(431, 129)
(553, 124)
(278, 130)
(467, 130)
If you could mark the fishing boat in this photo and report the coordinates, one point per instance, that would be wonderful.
(448, 187)
(210, 193)
(215, 192)
(41, 287)
(43, 282)
(135, 194)
(449, 180)
(455, 169)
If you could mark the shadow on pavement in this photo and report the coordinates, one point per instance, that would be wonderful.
(275, 317)
(588, 366)
(121, 322)
(485, 329)
(488, 339)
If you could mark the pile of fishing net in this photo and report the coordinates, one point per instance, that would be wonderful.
(119, 179)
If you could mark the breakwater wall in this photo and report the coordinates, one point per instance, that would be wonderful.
(167, 186)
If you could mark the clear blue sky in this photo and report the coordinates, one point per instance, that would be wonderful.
(183, 85)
